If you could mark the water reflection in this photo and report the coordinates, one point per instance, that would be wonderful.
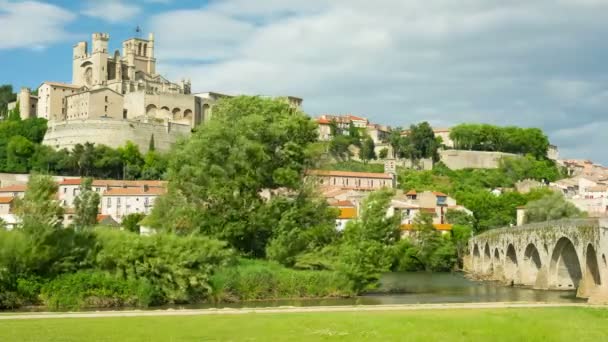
(411, 288)
(424, 288)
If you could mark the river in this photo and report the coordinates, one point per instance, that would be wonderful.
(423, 288)
(405, 288)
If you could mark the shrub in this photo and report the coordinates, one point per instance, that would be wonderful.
(255, 280)
(178, 267)
(131, 222)
(95, 289)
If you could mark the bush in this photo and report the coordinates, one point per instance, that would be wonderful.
(131, 222)
(256, 280)
(178, 267)
(95, 289)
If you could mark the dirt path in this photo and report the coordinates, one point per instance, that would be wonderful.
(289, 309)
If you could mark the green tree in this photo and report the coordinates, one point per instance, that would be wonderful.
(132, 159)
(339, 147)
(551, 207)
(354, 133)
(305, 224)
(250, 146)
(333, 128)
(373, 223)
(366, 250)
(383, 154)
(151, 145)
(367, 151)
(423, 140)
(483, 137)
(86, 205)
(6, 96)
(131, 222)
(39, 209)
(155, 165)
(19, 152)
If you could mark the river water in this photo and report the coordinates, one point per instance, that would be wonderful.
(406, 288)
(423, 288)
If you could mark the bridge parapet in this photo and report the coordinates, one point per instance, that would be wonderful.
(555, 255)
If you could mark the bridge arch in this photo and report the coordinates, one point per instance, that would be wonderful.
(531, 265)
(476, 258)
(592, 267)
(565, 268)
(511, 265)
(487, 259)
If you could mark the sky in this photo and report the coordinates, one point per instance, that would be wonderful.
(541, 63)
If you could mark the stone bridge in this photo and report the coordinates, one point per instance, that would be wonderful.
(555, 255)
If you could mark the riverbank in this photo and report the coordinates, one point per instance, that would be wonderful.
(496, 321)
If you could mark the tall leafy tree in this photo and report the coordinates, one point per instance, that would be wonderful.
(86, 205)
(39, 209)
(19, 152)
(6, 95)
(367, 151)
(339, 147)
(551, 207)
(423, 140)
(218, 177)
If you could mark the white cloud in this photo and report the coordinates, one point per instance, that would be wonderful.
(400, 62)
(113, 11)
(32, 25)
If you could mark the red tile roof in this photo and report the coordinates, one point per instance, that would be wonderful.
(349, 174)
(352, 117)
(440, 194)
(14, 188)
(6, 200)
(129, 183)
(134, 192)
(411, 193)
(323, 121)
(71, 181)
(342, 204)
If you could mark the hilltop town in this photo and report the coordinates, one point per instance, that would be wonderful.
(123, 150)
(115, 99)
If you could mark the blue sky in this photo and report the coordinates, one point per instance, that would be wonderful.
(539, 63)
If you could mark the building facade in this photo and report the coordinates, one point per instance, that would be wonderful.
(365, 181)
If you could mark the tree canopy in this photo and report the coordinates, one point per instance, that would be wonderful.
(483, 137)
(553, 206)
(240, 177)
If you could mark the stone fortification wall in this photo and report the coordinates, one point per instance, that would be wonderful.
(461, 159)
(113, 133)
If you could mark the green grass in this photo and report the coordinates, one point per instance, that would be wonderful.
(531, 324)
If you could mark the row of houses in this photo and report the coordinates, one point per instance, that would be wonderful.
(119, 198)
(378, 133)
(589, 193)
(346, 191)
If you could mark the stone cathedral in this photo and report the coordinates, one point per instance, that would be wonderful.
(118, 97)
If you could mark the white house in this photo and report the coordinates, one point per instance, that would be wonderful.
(119, 202)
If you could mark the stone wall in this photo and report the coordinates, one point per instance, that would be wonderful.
(113, 133)
(461, 159)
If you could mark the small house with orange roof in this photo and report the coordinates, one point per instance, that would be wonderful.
(13, 191)
(411, 204)
(6, 205)
(347, 211)
(69, 188)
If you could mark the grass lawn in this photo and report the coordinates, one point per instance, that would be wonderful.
(513, 324)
